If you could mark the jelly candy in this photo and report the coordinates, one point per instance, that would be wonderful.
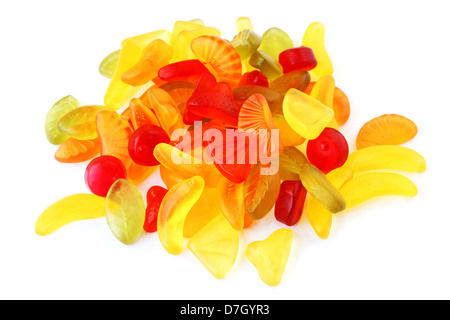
(141, 115)
(386, 157)
(274, 41)
(328, 151)
(319, 217)
(109, 64)
(298, 79)
(290, 202)
(323, 91)
(306, 115)
(125, 211)
(220, 57)
(73, 150)
(204, 210)
(181, 45)
(75, 207)
(386, 129)
(80, 123)
(118, 94)
(173, 211)
(154, 56)
(114, 133)
(56, 112)
(376, 184)
(269, 66)
(287, 135)
(165, 109)
(186, 70)
(137, 174)
(270, 256)
(230, 197)
(314, 38)
(216, 246)
(243, 23)
(186, 166)
(299, 58)
(102, 172)
(254, 77)
(260, 192)
(246, 42)
(168, 177)
(274, 99)
(142, 143)
(155, 196)
(291, 163)
(322, 189)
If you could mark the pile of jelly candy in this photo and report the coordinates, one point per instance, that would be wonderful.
(168, 90)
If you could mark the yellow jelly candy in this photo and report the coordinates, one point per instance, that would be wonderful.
(230, 197)
(119, 93)
(268, 66)
(186, 166)
(216, 246)
(168, 177)
(204, 210)
(287, 135)
(243, 23)
(306, 116)
(319, 217)
(314, 38)
(182, 44)
(165, 109)
(75, 207)
(323, 91)
(173, 210)
(109, 64)
(246, 43)
(274, 41)
(80, 123)
(56, 112)
(270, 256)
(376, 184)
(125, 211)
(318, 186)
(386, 157)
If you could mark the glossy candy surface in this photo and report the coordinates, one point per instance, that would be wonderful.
(230, 197)
(142, 143)
(270, 256)
(125, 211)
(300, 58)
(56, 112)
(109, 64)
(80, 123)
(274, 41)
(268, 66)
(314, 38)
(73, 150)
(102, 172)
(155, 195)
(290, 202)
(254, 77)
(246, 42)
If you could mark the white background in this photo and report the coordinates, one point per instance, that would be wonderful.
(389, 57)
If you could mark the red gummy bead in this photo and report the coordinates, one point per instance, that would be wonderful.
(300, 58)
(290, 202)
(328, 151)
(186, 70)
(101, 173)
(155, 196)
(254, 77)
(142, 143)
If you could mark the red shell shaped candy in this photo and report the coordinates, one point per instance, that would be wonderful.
(300, 58)
(102, 172)
(328, 151)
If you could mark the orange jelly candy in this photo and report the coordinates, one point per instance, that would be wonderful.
(220, 57)
(388, 129)
(73, 150)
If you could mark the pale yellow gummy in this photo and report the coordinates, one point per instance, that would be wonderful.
(386, 157)
(274, 41)
(71, 208)
(323, 91)
(314, 38)
(243, 23)
(306, 115)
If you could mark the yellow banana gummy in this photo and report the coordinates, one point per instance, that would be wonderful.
(314, 38)
(71, 208)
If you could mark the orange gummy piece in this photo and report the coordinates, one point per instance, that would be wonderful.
(220, 57)
(73, 150)
(388, 129)
(141, 115)
(114, 132)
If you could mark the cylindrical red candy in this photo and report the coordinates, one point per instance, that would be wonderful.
(299, 58)
(290, 202)
(102, 172)
(328, 151)
(142, 143)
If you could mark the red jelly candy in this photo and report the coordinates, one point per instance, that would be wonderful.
(186, 70)
(143, 141)
(101, 173)
(290, 202)
(254, 78)
(155, 196)
(205, 82)
(328, 151)
(300, 58)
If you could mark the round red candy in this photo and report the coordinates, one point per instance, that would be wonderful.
(142, 143)
(328, 151)
(300, 58)
(102, 172)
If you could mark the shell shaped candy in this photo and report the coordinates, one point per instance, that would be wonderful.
(56, 112)
(220, 57)
(388, 129)
(125, 211)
